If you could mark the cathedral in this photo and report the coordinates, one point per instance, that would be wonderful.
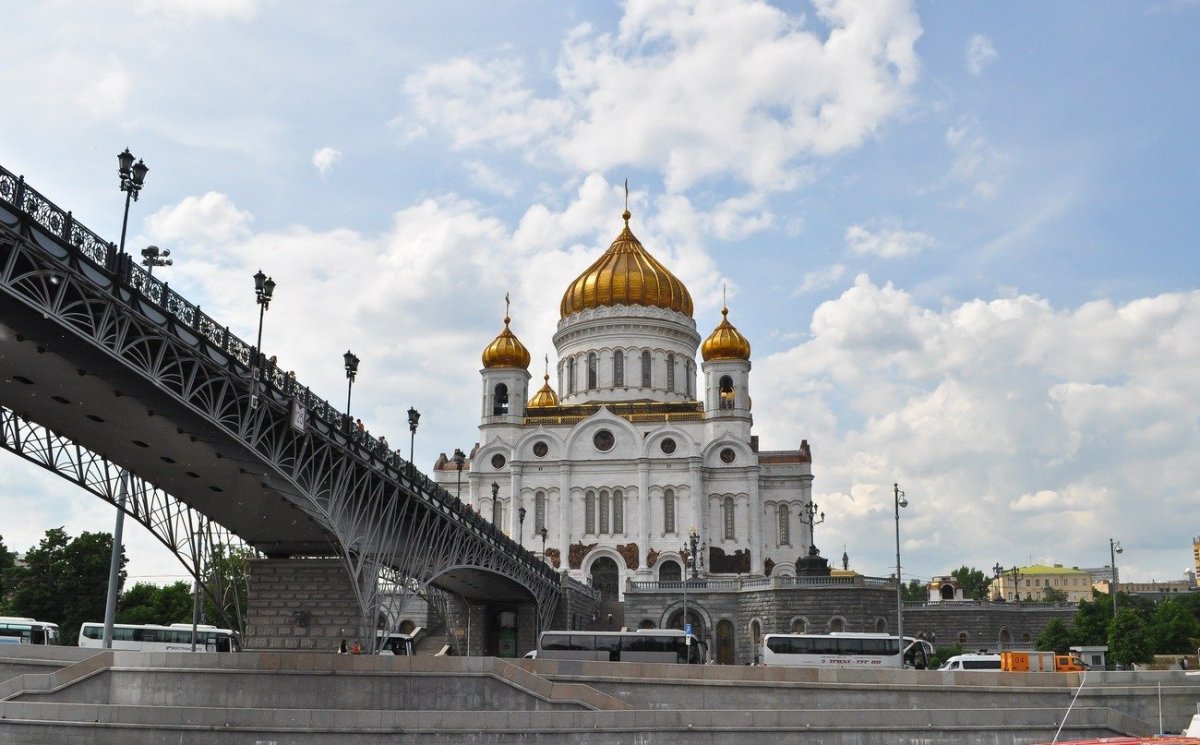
(637, 458)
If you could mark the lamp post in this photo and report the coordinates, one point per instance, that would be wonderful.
(264, 288)
(521, 528)
(812, 522)
(899, 501)
(133, 175)
(414, 416)
(153, 256)
(1014, 576)
(689, 557)
(543, 533)
(1114, 548)
(459, 459)
(351, 373)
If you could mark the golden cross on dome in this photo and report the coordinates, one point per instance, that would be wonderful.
(506, 306)
(626, 195)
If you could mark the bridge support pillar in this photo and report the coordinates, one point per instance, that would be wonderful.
(300, 604)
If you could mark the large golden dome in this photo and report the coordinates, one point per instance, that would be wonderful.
(725, 342)
(626, 275)
(506, 350)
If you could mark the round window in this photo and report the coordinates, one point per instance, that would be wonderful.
(728, 456)
(498, 461)
(604, 440)
(540, 449)
(668, 446)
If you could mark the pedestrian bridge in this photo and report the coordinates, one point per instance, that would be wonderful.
(116, 382)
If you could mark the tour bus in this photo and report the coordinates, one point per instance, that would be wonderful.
(14, 630)
(149, 637)
(644, 645)
(844, 650)
(972, 662)
(395, 643)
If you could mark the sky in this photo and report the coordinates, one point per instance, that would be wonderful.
(960, 236)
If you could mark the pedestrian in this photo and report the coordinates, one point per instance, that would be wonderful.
(357, 648)
(1183, 663)
(342, 649)
(361, 427)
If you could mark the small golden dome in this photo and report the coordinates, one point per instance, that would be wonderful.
(725, 342)
(626, 275)
(506, 350)
(544, 397)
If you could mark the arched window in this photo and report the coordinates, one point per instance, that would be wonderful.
(618, 512)
(539, 511)
(591, 373)
(785, 529)
(603, 511)
(727, 510)
(500, 400)
(670, 572)
(589, 513)
(880, 626)
(618, 369)
(571, 375)
(691, 378)
(727, 398)
(646, 368)
(669, 511)
(671, 373)
(837, 625)
(799, 625)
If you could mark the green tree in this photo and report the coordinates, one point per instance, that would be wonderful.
(8, 560)
(1056, 637)
(1129, 638)
(914, 591)
(65, 580)
(148, 603)
(1090, 626)
(1053, 595)
(226, 578)
(1174, 628)
(974, 582)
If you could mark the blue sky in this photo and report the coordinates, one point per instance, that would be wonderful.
(959, 235)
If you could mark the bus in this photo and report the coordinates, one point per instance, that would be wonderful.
(394, 643)
(643, 645)
(149, 637)
(16, 630)
(844, 650)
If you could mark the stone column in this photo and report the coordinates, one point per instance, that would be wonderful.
(643, 514)
(516, 501)
(564, 516)
(755, 508)
(699, 502)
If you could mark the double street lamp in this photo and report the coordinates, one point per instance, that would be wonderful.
(133, 175)
(351, 373)
(808, 516)
(691, 556)
(414, 416)
(459, 458)
(264, 288)
(153, 256)
(900, 500)
(1014, 576)
(1114, 548)
(543, 533)
(521, 530)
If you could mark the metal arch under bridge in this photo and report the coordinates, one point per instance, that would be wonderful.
(283, 453)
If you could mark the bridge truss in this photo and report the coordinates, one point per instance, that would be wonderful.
(375, 511)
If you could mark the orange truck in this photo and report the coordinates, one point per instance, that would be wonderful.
(1040, 662)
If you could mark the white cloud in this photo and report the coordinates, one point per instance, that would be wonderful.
(977, 162)
(820, 279)
(487, 179)
(887, 241)
(696, 88)
(325, 159)
(210, 219)
(980, 53)
(1007, 419)
(198, 10)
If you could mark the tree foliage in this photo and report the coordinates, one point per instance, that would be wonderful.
(148, 603)
(1129, 638)
(1053, 595)
(1174, 626)
(974, 583)
(64, 580)
(914, 591)
(1056, 637)
(8, 560)
(226, 578)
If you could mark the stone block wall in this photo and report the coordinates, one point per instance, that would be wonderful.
(300, 604)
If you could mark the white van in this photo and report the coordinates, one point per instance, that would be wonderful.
(972, 662)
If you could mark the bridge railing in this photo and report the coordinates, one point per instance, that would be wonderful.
(726, 584)
(61, 225)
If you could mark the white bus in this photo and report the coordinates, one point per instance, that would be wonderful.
(644, 645)
(15, 630)
(149, 637)
(844, 650)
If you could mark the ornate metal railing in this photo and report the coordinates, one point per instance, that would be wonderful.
(735, 584)
(240, 357)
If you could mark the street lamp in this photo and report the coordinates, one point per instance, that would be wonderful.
(690, 557)
(1014, 575)
(543, 533)
(812, 522)
(133, 175)
(264, 288)
(459, 458)
(414, 416)
(1114, 548)
(899, 501)
(521, 532)
(351, 373)
(153, 256)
